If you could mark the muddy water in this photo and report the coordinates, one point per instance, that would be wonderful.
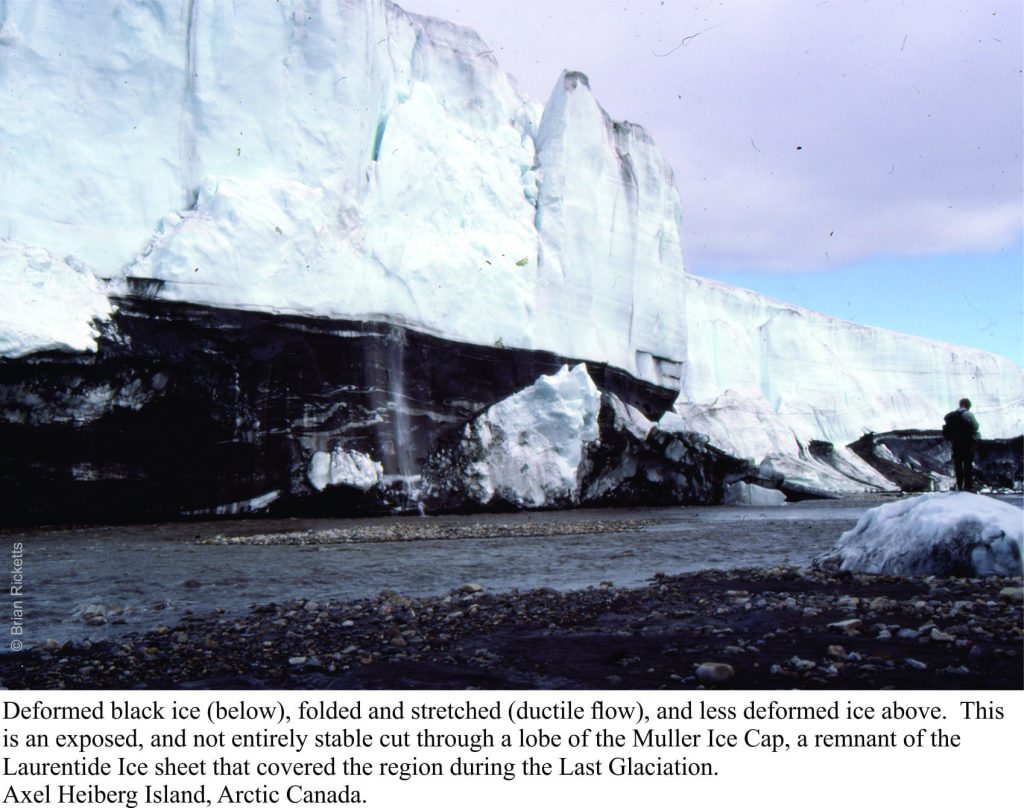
(100, 582)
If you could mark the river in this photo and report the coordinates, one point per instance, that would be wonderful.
(99, 582)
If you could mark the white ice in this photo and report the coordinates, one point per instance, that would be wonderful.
(344, 467)
(353, 160)
(742, 493)
(954, 533)
(533, 442)
(48, 303)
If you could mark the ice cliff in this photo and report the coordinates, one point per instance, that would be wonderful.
(349, 160)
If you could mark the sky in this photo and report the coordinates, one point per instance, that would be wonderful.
(862, 159)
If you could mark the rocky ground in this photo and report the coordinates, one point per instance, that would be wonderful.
(750, 629)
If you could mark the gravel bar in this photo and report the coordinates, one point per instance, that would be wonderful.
(421, 530)
(776, 628)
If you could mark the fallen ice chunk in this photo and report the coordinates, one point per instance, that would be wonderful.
(742, 493)
(344, 467)
(526, 450)
(954, 533)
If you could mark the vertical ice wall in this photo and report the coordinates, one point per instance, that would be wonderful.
(813, 376)
(335, 157)
(346, 158)
(608, 220)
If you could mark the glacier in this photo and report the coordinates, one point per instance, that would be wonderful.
(350, 162)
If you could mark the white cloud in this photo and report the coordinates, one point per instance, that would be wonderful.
(908, 117)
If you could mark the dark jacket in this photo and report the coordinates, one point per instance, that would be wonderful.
(962, 427)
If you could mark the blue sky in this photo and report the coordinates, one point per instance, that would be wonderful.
(860, 159)
(967, 299)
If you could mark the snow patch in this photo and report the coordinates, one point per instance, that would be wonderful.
(344, 467)
(934, 534)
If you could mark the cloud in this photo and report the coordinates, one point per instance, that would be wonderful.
(804, 135)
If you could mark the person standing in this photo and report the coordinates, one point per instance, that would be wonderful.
(961, 430)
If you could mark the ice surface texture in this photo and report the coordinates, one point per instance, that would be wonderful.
(48, 303)
(562, 442)
(526, 449)
(344, 467)
(348, 159)
(954, 533)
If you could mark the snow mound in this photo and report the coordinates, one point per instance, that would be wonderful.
(934, 534)
(344, 467)
(49, 304)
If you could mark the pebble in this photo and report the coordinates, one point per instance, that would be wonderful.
(464, 629)
(714, 673)
(802, 664)
(1013, 594)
